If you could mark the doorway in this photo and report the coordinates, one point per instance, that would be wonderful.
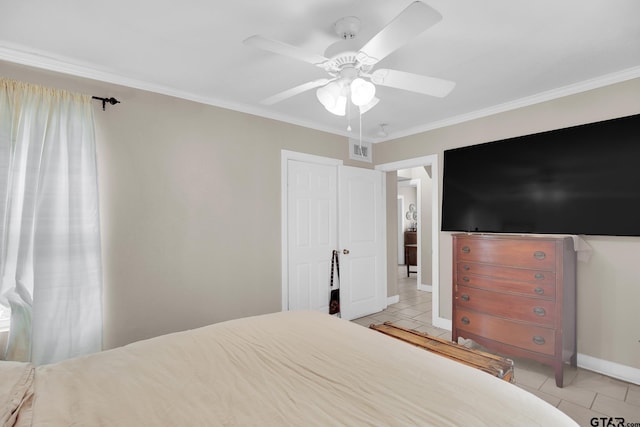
(430, 162)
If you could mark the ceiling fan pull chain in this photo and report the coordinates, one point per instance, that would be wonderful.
(348, 115)
(360, 142)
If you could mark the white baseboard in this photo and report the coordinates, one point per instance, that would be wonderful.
(610, 369)
(442, 323)
(427, 288)
(392, 300)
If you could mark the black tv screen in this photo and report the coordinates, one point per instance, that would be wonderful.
(578, 180)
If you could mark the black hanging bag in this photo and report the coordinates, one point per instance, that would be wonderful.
(334, 299)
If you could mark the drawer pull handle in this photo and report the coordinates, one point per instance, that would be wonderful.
(465, 297)
(538, 340)
(539, 311)
(539, 291)
(466, 249)
(539, 276)
(465, 320)
(465, 279)
(539, 255)
(466, 267)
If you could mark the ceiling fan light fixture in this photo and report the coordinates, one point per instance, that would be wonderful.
(362, 92)
(333, 98)
(369, 105)
(340, 106)
(350, 64)
(328, 94)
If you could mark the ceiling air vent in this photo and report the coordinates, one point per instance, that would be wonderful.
(359, 150)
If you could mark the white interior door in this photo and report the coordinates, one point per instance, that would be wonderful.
(328, 206)
(311, 233)
(361, 232)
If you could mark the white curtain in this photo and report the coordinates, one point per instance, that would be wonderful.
(50, 262)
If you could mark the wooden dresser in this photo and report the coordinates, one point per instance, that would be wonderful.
(516, 295)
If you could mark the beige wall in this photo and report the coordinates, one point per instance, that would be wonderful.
(190, 207)
(410, 195)
(609, 284)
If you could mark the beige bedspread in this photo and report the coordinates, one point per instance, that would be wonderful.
(283, 369)
(16, 389)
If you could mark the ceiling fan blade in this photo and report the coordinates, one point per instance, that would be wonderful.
(295, 91)
(412, 21)
(413, 82)
(284, 49)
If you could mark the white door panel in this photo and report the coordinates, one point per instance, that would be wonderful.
(361, 233)
(363, 269)
(312, 233)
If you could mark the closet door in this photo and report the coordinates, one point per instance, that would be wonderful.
(312, 233)
(334, 207)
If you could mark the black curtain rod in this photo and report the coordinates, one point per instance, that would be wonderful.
(111, 101)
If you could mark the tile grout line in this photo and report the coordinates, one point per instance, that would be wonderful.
(593, 401)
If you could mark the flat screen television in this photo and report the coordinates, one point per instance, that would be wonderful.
(578, 180)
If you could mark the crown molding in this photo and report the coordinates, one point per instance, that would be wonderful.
(21, 55)
(572, 89)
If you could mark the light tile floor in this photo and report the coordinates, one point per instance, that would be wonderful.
(585, 394)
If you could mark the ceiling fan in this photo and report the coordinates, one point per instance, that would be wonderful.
(351, 72)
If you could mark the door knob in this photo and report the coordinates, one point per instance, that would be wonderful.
(345, 251)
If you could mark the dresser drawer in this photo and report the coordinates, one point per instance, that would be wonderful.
(543, 290)
(534, 310)
(536, 254)
(510, 273)
(526, 336)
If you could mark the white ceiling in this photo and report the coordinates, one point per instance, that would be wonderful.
(501, 53)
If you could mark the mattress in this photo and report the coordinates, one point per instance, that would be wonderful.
(300, 368)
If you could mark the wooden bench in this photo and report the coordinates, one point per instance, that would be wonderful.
(495, 365)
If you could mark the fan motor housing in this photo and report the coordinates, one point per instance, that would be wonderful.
(347, 27)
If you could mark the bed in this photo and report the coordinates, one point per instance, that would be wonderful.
(299, 368)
